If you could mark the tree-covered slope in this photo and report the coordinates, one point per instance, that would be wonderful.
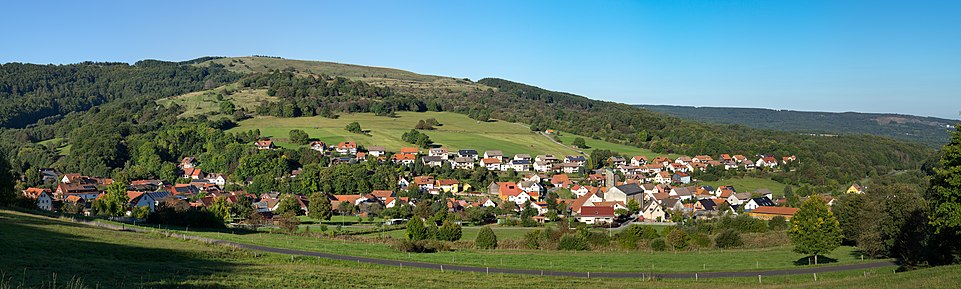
(931, 131)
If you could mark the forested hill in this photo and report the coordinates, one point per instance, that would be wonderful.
(117, 125)
(931, 131)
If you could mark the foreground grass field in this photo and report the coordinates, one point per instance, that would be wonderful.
(595, 261)
(50, 253)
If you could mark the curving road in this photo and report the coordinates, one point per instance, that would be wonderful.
(488, 270)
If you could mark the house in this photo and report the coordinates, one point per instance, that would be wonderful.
(551, 159)
(672, 205)
(433, 161)
(543, 166)
(188, 162)
(447, 185)
(472, 154)
(768, 162)
(523, 157)
(579, 160)
(663, 161)
(346, 148)
(318, 146)
(616, 161)
(410, 150)
(653, 212)
(705, 205)
(402, 183)
(492, 164)
(404, 159)
(264, 144)
(855, 189)
(638, 161)
(494, 154)
(217, 179)
(681, 178)
(587, 199)
(702, 159)
(424, 182)
(739, 198)
(683, 160)
(382, 194)
(438, 152)
(786, 160)
(592, 215)
(769, 212)
(464, 163)
(560, 180)
(568, 168)
(86, 191)
(193, 173)
(684, 193)
(146, 199)
(520, 165)
(377, 151)
(663, 178)
(724, 192)
(530, 187)
(754, 203)
(392, 201)
(507, 191)
(623, 192)
(41, 197)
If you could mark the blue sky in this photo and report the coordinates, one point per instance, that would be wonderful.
(865, 56)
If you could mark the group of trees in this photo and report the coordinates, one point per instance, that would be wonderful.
(418, 138)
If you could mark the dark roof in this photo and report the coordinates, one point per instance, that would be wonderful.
(575, 158)
(630, 189)
(708, 204)
(521, 162)
(763, 201)
(467, 152)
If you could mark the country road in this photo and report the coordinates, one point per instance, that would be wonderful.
(488, 270)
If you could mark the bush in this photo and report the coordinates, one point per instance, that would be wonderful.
(728, 239)
(449, 231)
(288, 222)
(778, 223)
(528, 222)
(678, 239)
(573, 242)
(700, 240)
(658, 244)
(416, 230)
(432, 231)
(532, 239)
(486, 239)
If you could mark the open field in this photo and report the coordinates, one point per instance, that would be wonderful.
(206, 102)
(112, 259)
(457, 132)
(749, 184)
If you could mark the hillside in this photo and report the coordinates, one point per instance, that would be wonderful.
(931, 131)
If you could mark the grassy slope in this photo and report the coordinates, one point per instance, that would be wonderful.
(111, 259)
(205, 102)
(457, 132)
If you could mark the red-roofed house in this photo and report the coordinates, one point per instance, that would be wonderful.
(596, 215)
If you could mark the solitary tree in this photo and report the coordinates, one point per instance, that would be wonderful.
(416, 230)
(354, 127)
(288, 205)
(486, 239)
(814, 229)
(449, 231)
(319, 206)
(579, 143)
(299, 137)
(114, 203)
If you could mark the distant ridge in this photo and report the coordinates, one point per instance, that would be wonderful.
(931, 131)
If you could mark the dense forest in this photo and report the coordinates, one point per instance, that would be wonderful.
(30, 92)
(127, 131)
(931, 131)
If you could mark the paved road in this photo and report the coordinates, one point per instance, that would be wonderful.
(449, 267)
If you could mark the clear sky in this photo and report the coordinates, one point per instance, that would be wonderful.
(865, 56)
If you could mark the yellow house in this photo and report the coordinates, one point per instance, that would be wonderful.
(855, 189)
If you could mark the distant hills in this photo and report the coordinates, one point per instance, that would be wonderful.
(931, 131)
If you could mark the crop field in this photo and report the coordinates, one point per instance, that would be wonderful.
(101, 258)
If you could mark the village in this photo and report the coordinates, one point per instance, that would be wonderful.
(638, 189)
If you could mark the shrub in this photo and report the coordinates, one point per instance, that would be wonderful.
(678, 239)
(778, 223)
(532, 239)
(728, 239)
(288, 222)
(574, 242)
(658, 244)
(528, 222)
(416, 230)
(633, 233)
(432, 231)
(700, 240)
(421, 246)
(449, 231)
(486, 239)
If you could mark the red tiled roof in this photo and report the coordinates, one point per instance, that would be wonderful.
(595, 211)
(775, 210)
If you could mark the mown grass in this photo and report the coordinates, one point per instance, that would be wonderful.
(626, 150)
(39, 250)
(749, 184)
(205, 102)
(457, 132)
